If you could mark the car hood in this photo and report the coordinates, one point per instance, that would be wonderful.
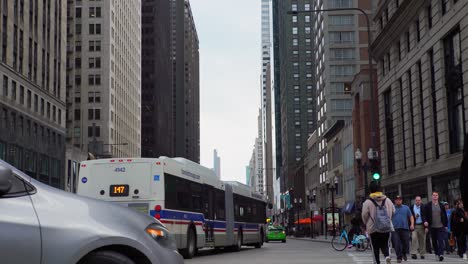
(52, 204)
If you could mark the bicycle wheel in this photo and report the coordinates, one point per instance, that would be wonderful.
(339, 243)
(363, 243)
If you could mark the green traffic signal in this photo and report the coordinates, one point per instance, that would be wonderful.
(376, 176)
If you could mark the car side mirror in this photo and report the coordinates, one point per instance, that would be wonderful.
(5, 183)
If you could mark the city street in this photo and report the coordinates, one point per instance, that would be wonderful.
(296, 252)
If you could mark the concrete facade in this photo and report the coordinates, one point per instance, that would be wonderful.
(341, 43)
(421, 49)
(104, 77)
(32, 93)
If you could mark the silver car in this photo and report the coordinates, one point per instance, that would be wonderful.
(41, 224)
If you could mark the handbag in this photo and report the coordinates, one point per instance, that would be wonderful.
(452, 240)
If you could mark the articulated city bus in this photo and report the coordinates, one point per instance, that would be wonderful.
(198, 208)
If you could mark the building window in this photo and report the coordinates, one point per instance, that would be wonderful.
(4, 35)
(307, 19)
(382, 66)
(408, 42)
(340, 3)
(78, 29)
(389, 62)
(42, 106)
(94, 63)
(77, 115)
(94, 79)
(95, 45)
(5, 86)
(342, 54)
(454, 86)
(400, 84)
(94, 29)
(21, 94)
(48, 110)
(421, 104)
(429, 16)
(434, 103)
(342, 36)
(445, 6)
(77, 46)
(389, 132)
(294, 30)
(29, 99)
(418, 30)
(399, 50)
(13, 90)
(341, 20)
(294, 19)
(295, 42)
(78, 63)
(410, 89)
(78, 12)
(94, 12)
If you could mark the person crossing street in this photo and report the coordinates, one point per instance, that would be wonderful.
(403, 222)
(436, 223)
(377, 213)
(418, 236)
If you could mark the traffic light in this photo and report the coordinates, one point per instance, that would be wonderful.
(375, 170)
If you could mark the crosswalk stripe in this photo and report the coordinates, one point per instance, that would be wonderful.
(366, 257)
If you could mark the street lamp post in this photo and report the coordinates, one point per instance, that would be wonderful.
(333, 188)
(362, 167)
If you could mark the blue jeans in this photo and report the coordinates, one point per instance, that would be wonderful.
(400, 240)
(438, 237)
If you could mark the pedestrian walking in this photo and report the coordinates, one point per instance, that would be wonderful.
(403, 222)
(418, 236)
(377, 213)
(436, 224)
(459, 223)
(448, 211)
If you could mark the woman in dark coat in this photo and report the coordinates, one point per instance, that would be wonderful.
(459, 224)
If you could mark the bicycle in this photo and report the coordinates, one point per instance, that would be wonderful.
(340, 243)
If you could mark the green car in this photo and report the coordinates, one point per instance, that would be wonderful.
(276, 233)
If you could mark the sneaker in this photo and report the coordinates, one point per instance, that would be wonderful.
(405, 258)
(465, 257)
(414, 256)
(388, 260)
(422, 257)
(441, 258)
(398, 260)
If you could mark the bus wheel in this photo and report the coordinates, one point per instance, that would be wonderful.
(238, 245)
(260, 244)
(191, 248)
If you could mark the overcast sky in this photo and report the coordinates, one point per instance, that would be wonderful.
(230, 65)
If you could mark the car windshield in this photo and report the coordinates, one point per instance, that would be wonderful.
(275, 229)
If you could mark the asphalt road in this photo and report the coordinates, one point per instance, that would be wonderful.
(297, 252)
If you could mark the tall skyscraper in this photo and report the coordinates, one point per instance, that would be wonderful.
(171, 86)
(104, 77)
(32, 96)
(268, 169)
(340, 53)
(295, 113)
(217, 164)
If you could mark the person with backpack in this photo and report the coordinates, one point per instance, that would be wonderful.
(436, 224)
(403, 223)
(377, 213)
